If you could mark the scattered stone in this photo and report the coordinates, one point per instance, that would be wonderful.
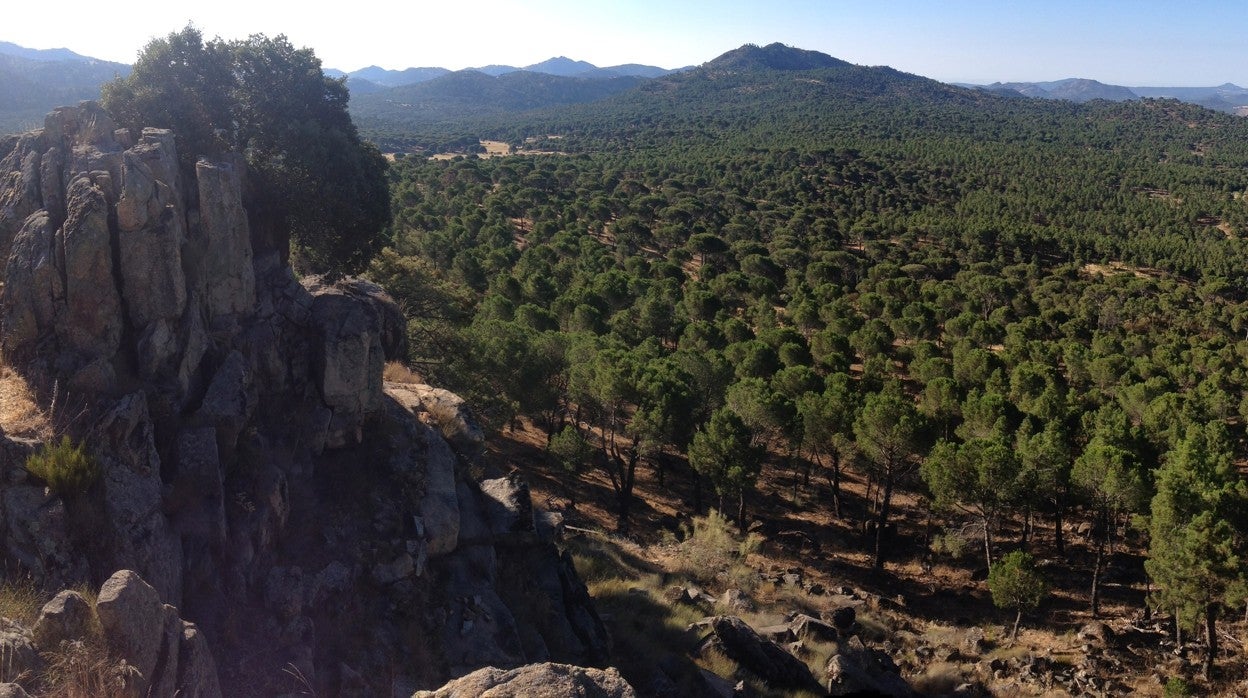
(546, 679)
(737, 600)
(132, 618)
(973, 641)
(856, 669)
(739, 642)
(17, 650)
(842, 618)
(693, 595)
(66, 617)
(1095, 633)
(805, 627)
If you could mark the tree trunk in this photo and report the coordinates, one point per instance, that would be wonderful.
(987, 542)
(741, 512)
(1059, 540)
(836, 485)
(880, 522)
(621, 513)
(1017, 617)
(1211, 633)
(1096, 576)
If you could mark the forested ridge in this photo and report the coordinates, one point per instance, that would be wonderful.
(1021, 312)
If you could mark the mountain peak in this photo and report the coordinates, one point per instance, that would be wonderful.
(775, 56)
(43, 55)
(561, 65)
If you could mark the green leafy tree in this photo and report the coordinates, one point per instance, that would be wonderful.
(887, 431)
(981, 477)
(1016, 585)
(1046, 460)
(1108, 477)
(311, 177)
(827, 420)
(724, 452)
(1197, 535)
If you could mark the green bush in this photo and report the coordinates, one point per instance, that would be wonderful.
(1177, 687)
(713, 554)
(64, 466)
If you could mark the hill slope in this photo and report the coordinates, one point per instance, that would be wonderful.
(469, 95)
(33, 82)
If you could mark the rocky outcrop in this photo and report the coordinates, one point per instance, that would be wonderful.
(735, 639)
(129, 639)
(535, 680)
(444, 411)
(319, 525)
(856, 670)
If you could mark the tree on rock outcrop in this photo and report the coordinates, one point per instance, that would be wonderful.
(311, 177)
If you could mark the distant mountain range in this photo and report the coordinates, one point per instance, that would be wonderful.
(374, 79)
(34, 81)
(1227, 97)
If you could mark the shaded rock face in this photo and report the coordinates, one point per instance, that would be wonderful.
(254, 469)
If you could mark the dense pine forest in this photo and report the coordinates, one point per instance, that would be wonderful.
(1022, 317)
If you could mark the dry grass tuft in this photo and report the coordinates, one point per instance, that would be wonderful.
(714, 555)
(84, 669)
(21, 601)
(938, 679)
(20, 415)
(396, 372)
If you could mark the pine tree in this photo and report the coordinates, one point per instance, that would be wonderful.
(1016, 584)
(1196, 525)
(724, 452)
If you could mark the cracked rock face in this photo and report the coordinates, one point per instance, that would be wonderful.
(254, 469)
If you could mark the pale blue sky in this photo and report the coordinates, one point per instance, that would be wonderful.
(1137, 42)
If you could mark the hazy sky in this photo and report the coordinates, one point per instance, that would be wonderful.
(1127, 42)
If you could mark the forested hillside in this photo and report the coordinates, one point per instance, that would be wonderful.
(32, 83)
(1021, 316)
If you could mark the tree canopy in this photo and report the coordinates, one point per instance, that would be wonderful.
(311, 178)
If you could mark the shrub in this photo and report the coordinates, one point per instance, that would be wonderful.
(1177, 687)
(951, 543)
(64, 466)
(713, 553)
(1016, 584)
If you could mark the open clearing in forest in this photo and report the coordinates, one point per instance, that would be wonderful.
(1112, 268)
(496, 149)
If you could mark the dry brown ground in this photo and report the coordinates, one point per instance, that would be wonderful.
(19, 414)
(800, 531)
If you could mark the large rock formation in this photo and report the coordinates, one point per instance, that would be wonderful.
(254, 470)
